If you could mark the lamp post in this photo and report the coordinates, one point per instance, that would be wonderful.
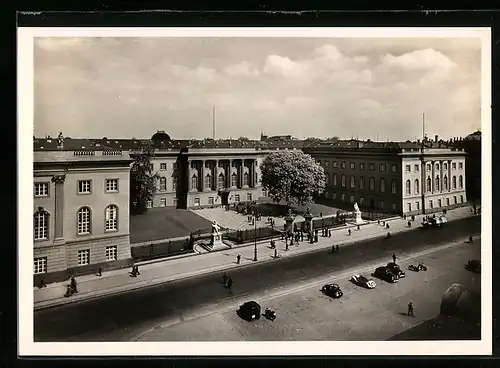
(255, 236)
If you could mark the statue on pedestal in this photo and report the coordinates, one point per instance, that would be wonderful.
(215, 228)
(356, 207)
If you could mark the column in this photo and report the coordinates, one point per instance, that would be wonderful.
(441, 171)
(242, 169)
(187, 174)
(59, 202)
(215, 177)
(254, 172)
(449, 175)
(202, 175)
(229, 172)
(432, 177)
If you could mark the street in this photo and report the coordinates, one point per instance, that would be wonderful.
(127, 316)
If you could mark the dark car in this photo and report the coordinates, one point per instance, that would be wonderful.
(249, 311)
(332, 290)
(474, 265)
(396, 270)
(385, 274)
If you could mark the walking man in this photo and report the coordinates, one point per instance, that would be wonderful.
(394, 258)
(73, 285)
(349, 232)
(333, 248)
(411, 312)
(337, 248)
(275, 253)
(409, 223)
(329, 233)
(238, 259)
(229, 283)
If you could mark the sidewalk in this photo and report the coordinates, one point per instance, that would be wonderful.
(181, 267)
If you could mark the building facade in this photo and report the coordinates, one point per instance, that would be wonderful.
(81, 212)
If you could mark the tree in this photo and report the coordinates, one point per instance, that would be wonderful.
(142, 180)
(292, 176)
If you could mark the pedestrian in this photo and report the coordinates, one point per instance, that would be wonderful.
(291, 241)
(316, 238)
(471, 240)
(329, 233)
(321, 214)
(41, 284)
(413, 217)
(409, 223)
(286, 246)
(411, 311)
(387, 226)
(393, 258)
(349, 232)
(137, 270)
(282, 236)
(224, 278)
(301, 236)
(333, 248)
(337, 248)
(99, 272)
(404, 216)
(229, 283)
(275, 253)
(73, 285)
(358, 227)
(378, 221)
(238, 259)
(383, 223)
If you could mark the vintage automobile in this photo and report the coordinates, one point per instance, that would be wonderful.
(385, 274)
(332, 290)
(250, 311)
(363, 281)
(418, 267)
(474, 265)
(396, 270)
(434, 221)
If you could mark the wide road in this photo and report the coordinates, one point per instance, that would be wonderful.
(125, 316)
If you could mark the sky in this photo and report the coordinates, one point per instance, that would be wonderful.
(378, 88)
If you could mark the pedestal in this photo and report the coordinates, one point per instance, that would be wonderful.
(289, 224)
(357, 219)
(217, 242)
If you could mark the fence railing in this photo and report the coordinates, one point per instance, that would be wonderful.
(167, 249)
(243, 236)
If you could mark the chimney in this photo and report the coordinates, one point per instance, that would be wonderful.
(436, 138)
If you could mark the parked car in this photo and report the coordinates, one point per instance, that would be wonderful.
(250, 311)
(363, 281)
(434, 221)
(417, 268)
(385, 274)
(396, 270)
(332, 290)
(474, 265)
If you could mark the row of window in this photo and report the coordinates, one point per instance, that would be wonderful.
(163, 166)
(83, 257)
(437, 184)
(352, 165)
(196, 201)
(371, 183)
(416, 167)
(221, 180)
(163, 183)
(84, 221)
(362, 201)
(439, 203)
(84, 187)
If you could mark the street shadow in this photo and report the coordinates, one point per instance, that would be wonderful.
(248, 259)
(403, 314)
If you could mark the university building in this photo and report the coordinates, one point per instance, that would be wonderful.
(392, 177)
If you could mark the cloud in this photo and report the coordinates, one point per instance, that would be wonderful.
(244, 69)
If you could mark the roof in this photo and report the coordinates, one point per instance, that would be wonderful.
(80, 156)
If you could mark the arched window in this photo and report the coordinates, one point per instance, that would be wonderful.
(382, 185)
(362, 182)
(163, 184)
(454, 182)
(334, 179)
(221, 180)
(342, 181)
(84, 221)
(372, 184)
(437, 182)
(327, 179)
(416, 186)
(445, 182)
(394, 189)
(111, 217)
(194, 182)
(245, 179)
(408, 187)
(208, 181)
(234, 179)
(429, 184)
(353, 182)
(41, 224)
(461, 182)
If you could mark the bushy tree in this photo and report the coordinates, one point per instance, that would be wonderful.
(142, 180)
(292, 176)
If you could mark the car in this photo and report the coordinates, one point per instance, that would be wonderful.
(394, 267)
(250, 310)
(363, 281)
(385, 274)
(474, 265)
(332, 290)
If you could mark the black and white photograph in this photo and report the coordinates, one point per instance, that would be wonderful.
(246, 191)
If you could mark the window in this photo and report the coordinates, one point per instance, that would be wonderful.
(334, 195)
(372, 167)
(111, 253)
(408, 187)
(208, 181)
(454, 182)
(353, 165)
(437, 167)
(41, 189)
(394, 189)
(429, 185)
(455, 199)
(163, 184)
(233, 180)
(382, 204)
(342, 181)
(361, 166)
(417, 206)
(454, 166)
(393, 206)
(163, 166)
(361, 200)
(437, 182)
(353, 182)
(372, 184)
(382, 167)
(447, 201)
(439, 203)
(175, 179)
(461, 199)
(416, 187)
(382, 185)
(174, 202)
(352, 199)
(408, 168)
(236, 197)
(326, 163)
(342, 197)
(334, 164)
(394, 168)
(461, 182)
(245, 179)
(221, 181)
(327, 179)
(83, 257)
(445, 166)
(112, 218)
(163, 202)
(111, 185)
(84, 186)
(249, 196)
(334, 179)
(408, 207)
(41, 225)
(194, 182)
(342, 165)
(362, 182)
(197, 201)
(149, 204)
(429, 168)
(460, 165)
(40, 265)
(445, 183)
(415, 168)
(210, 200)
(84, 221)
(431, 206)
